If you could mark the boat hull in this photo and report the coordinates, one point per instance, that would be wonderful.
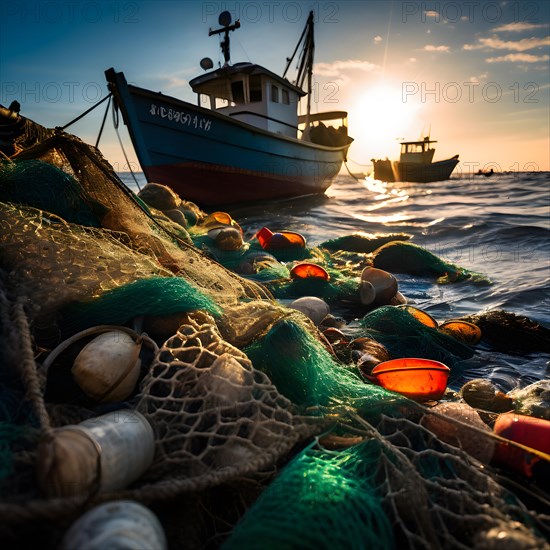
(386, 170)
(211, 159)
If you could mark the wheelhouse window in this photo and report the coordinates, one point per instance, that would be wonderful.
(255, 83)
(274, 94)
(237, 91)
(286, 97)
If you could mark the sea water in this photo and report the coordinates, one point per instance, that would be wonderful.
(497, 226)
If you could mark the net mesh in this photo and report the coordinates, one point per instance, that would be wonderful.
(237, 392)
(392, 484)
(213, 410)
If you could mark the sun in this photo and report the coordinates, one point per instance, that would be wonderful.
(378, 117)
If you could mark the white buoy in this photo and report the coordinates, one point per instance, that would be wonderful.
(311, 306)
(103, 454)
(121, 524)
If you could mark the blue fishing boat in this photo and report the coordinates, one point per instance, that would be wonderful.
(415, 164)
(244, 140)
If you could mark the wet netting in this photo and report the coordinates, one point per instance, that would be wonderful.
(261, 435)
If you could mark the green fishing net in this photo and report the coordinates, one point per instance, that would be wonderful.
(41, 185)
(389, 483)
(152, 296)
(332, 499)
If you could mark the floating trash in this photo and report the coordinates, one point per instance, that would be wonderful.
(309, 271)
(283, 239)
(483, 394)
(533, 434)
(418, 379)
(420, 315)
(462, 330)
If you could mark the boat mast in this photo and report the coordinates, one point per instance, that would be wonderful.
(225, 20)
(305, 67)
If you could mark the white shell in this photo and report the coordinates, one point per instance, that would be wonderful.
(120, 524)
(107, 369)
(315, 308)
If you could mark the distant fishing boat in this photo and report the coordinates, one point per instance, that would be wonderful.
(415, 164)
(249, 145)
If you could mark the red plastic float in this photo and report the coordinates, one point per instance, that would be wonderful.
(309, 271)
(532, 433)
(283, 239)
(416, 378)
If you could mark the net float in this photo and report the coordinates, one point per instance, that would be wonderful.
(101, 454)
(466, 332)
(311, 306)
(415, 378)
(283, 239)
(306, 270)
(107, 368)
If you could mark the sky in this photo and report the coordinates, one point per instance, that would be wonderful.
(474, 75)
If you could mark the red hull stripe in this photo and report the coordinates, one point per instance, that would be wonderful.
(214, 184)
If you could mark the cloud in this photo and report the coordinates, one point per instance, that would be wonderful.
(378, 39)
(519, 27)
(431, 48)
(431, 13)
(336, 67)
(412, 59)
(519, 57)
(495, 43)
(482, 76)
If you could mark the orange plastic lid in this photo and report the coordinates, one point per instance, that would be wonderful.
(309, 271)
(283, 239)
(416, 378)
(218, 218)
(462, 330)
(422, 316)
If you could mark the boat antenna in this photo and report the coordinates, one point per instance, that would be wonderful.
(225, 20)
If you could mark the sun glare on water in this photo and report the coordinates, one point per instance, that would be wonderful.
(378, 117)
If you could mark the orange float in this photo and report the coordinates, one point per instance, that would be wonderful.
(416, 378)
(462, 330)
(309, 271)
(283, 239)
(420, 315)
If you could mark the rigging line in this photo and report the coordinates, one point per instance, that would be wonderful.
(61, 128)
(103, 122)
(349, 172)
(115, 124)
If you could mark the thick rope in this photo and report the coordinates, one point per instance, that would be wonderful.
(28, 370)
